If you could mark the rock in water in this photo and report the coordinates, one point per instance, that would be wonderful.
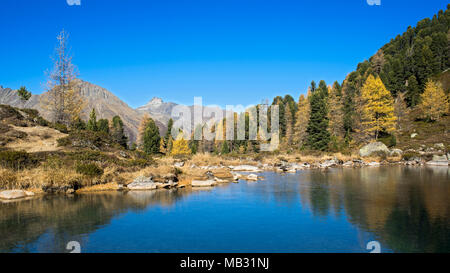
(203, 183)
(372, 148)
(13, 194)
(252, 177)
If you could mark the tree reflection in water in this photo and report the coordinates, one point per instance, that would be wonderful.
(406, 209)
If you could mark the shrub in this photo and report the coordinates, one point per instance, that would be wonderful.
(64, 141)
(86, 139)
(89, 169)
(60, 127)
(17, 159)
(410, 155)
(41, 121)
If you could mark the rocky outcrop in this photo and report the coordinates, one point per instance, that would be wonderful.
(374, 148)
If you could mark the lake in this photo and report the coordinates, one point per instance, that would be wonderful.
(405, 209)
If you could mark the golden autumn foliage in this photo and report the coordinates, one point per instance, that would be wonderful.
(141, 129)
(378, 107)
(162, 146)
(302, 118)
(335, 112)
(434, 101)
(180, 146)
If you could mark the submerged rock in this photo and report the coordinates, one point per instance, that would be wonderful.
(372, 148)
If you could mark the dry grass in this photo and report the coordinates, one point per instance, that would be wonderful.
(101, 187)
(39, 139)
(8, 179)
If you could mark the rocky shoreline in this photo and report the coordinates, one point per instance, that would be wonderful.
(187, 174)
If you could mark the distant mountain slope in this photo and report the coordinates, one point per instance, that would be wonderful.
(158, 109)
(162, 111)
(106, 104)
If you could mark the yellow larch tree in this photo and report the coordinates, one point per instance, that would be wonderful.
(302, 118)
(162, 146)
(335, 111)
(141, 129)
(378, 107)
(180, 146)
(434, 101)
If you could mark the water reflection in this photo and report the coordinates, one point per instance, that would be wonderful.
(406, 209)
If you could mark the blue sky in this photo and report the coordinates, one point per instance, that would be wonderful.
(227, 51)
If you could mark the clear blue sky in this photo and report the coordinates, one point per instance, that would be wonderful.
(227, 51)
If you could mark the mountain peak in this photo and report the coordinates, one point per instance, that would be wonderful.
(155, 101)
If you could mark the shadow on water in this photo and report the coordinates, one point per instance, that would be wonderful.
(406, 209)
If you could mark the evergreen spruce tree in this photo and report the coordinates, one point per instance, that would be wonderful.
(151, 138)
(103, 125)
(413, 92)
(169, 131)
(318, 135)
(225, 149)
(117, 131)
(92, 123)
(23, 93)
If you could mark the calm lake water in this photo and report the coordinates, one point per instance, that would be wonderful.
(338, 210)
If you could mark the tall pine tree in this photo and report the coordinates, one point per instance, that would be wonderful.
(317, 130)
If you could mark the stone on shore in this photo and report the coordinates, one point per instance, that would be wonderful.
(203, 183)
(245, 168)
(13, 194)
(373, 164)
(439, 158)
(374, 148)
(223, 176)
(142, 183)
(438, 163)
(396, 152)
(348, 164)
(142, 186)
